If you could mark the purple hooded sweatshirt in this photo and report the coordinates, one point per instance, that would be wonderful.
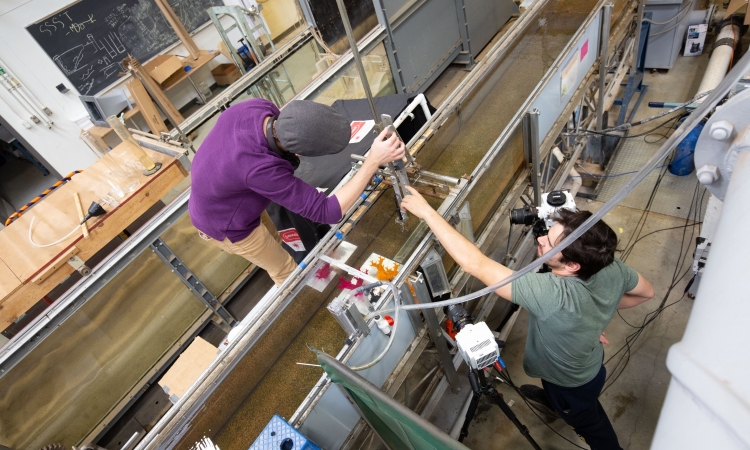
(235, 175)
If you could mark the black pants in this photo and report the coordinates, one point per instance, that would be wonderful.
(579, 407)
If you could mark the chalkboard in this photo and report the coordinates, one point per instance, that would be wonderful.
(88, 40)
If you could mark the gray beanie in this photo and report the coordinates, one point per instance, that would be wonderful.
(311, 129)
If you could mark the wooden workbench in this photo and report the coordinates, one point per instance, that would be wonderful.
(27, 273)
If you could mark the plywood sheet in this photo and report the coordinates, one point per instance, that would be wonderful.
(9, 283)
(188, 367)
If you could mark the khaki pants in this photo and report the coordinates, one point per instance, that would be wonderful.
(262, 248)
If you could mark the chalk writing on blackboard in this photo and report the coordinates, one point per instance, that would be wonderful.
(89, 40)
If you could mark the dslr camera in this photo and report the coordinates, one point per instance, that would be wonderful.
(542, 216)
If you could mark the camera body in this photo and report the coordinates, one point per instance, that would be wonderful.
(476, 343)
(542, 216)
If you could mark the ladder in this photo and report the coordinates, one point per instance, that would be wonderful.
(238, 15)
(269, 88)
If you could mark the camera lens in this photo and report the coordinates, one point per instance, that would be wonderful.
(459, 316)
(523, 216)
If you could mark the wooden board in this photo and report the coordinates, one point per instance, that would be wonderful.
(9, 283)
(188, 367)
(178, 28)
(135, 67)
(146, 105)
(56, 216)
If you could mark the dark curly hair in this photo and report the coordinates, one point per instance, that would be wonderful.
(594, 250)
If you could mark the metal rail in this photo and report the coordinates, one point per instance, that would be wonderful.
(262, 317)
(88, 286)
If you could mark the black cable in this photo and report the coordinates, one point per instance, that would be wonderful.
(630, 343)
(629, 136)
(633, 337)
(696, 206)
(644, 215)
(666, 229)
(629, 340)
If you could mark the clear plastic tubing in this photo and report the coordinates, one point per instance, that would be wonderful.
(123, 133)
(391, 338)
(103, 154)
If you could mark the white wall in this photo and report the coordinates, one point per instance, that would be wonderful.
(25, 59)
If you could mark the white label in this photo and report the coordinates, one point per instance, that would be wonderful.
(360, 128)
(292, 239)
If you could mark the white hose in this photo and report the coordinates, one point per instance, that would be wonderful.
(391, 338)
(690, 122)
(720, 59)
(31, 226)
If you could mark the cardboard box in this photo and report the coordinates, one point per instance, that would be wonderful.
(162, 67)
(188, 367)
(226, 74)
(696, 38)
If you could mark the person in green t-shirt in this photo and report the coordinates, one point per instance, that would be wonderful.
(569, 308)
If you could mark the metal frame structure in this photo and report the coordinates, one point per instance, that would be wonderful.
(188, 278)
(262, 317)
(237, 14)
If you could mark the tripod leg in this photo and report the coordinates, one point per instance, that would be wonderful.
(469, 415)
(512, 416)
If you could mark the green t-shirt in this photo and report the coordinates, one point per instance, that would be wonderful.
(566, 317)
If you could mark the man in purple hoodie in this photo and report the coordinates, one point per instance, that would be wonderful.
(248, 160)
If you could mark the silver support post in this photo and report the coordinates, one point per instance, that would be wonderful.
(603, 69)
(531, 141)
(422, 295)
(390, 47)
(637, 38)
(407, 298)
(358, 63)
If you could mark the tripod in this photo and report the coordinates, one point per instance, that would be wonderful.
(480, 386)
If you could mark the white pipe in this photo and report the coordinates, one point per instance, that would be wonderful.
(718, 65)
(29, 95)
(708, 400)
(27, 91)
(11, 91)
(419, 100)
(20, 91)
(13, 88)
(573, 173)
(24, 122)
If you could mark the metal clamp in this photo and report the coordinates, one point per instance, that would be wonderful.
(78, 264)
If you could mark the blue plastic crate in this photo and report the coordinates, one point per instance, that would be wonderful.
(279, 435)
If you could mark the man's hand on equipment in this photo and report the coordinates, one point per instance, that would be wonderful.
(385, 150)
(416, 204)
